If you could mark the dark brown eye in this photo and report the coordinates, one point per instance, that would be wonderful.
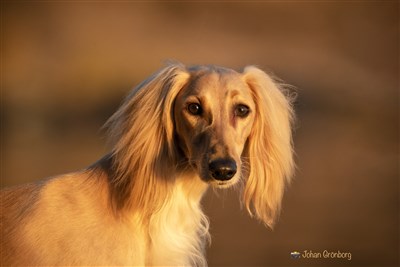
(242, 111)
(195, 109)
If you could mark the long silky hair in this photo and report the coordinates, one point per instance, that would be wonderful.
(270, 149)
(141, 132)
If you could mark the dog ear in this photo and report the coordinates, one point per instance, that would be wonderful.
(141, 133)
(269, 147)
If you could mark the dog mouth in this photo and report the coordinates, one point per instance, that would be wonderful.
(223, 184)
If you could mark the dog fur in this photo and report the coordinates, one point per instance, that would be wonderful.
(140, 205)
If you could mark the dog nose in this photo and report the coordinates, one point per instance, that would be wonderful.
(222, 169)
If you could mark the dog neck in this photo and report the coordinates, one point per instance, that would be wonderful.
(184, 182)
(179, 231)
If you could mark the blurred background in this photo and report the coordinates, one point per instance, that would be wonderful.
(66, 66)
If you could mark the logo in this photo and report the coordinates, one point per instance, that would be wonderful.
(326, 254)
(295, 255)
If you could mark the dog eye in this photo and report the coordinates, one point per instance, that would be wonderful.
(195, 109)
(242, 111)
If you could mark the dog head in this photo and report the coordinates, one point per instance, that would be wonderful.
(225, 126)
(214, 115)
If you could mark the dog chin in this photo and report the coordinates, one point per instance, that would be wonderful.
(223, 184)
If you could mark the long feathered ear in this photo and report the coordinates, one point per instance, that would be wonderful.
(269, 148)
(141, 132)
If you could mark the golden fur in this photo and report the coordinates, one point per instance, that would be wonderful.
(140, 204)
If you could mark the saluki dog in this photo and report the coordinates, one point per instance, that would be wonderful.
(179, 132)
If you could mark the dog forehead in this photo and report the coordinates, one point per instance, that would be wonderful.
(216, 81)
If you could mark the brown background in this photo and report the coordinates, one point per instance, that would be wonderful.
(66, 67)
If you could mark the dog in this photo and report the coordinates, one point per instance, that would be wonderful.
(181, 131)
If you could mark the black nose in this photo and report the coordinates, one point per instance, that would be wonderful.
(222, 169)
